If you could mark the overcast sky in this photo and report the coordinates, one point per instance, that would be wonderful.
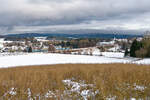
(74, 16)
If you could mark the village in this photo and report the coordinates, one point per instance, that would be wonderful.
(46, 45)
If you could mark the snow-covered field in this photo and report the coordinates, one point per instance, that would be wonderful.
(113, 54)
(49, 58)
(73, 87)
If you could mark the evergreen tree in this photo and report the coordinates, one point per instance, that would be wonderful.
(30, 49)
(126, 52)
(148, 52)
(134, 47)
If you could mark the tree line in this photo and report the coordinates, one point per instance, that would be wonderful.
(80, 43)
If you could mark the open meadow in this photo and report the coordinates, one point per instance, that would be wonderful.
(76, 81)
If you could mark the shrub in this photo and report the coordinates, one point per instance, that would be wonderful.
(141, 53)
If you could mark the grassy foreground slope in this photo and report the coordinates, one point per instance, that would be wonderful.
(119, 81)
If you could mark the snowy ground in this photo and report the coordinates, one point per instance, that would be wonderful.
(113, 54)
(48, 58)
(78, 88)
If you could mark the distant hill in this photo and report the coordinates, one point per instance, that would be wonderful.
(1, 36)
(92, 35)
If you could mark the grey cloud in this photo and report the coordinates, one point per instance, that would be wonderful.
(112, 13)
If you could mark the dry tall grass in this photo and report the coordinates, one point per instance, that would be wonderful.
(121, 81)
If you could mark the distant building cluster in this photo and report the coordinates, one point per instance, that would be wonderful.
(66, 46)
(38, 44)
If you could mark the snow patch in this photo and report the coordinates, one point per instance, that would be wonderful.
(80, 88)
